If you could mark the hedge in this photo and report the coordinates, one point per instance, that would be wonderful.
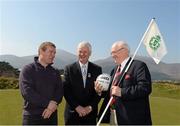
(9, 83)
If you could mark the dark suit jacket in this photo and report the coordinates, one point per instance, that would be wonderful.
(74, 91)
(133, 106)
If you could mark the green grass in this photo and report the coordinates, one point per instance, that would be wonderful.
(11, 108)
(166, 90)
(165, 111)
(165, 106)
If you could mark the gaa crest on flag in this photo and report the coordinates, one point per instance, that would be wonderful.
(154, 42)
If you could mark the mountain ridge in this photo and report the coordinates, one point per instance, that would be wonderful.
(162, 71)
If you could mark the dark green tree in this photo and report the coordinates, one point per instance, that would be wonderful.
(7, 70)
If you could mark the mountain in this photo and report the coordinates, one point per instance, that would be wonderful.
(62, 58)
(162, 71)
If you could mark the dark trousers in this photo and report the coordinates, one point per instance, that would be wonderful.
(72, 118)
(39, 120)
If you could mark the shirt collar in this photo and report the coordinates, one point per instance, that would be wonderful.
(83, 64)
(124, 63)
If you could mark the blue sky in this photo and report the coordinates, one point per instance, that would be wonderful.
(24, 24)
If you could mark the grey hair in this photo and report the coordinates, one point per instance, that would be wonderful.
(85, 44)
(122, 44)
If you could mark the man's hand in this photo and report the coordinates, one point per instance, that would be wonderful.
(52, 106)
(81, 111)
(98, 88)
(46, 113)
(88, 109)
(116, 90)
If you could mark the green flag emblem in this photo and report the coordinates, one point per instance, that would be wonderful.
(154, 42)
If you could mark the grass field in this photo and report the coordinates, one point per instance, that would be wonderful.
(165, 106)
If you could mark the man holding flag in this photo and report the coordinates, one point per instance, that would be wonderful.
(129, 100)
(131, 96)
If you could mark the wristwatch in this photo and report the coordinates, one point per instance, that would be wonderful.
(90, 108)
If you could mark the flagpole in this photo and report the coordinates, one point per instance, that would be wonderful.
(140, 44)
(107, 106)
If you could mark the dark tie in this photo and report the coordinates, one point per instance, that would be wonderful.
(117, 74)
(113, 117)
(114, 82)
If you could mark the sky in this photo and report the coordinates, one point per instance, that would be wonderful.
(25, 24)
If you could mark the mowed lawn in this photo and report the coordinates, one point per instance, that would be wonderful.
(164, 108)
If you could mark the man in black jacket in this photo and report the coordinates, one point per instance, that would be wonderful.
(131, 102)
(41, 87)
(81, 98)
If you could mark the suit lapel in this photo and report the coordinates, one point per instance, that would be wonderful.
(122, 72)
(88, 77)
(79, 74)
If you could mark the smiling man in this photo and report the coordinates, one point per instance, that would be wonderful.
(131, 102)
(41, 88)
(81, 98)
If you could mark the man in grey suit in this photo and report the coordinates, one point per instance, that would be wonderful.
(81, 98)
(131, 103)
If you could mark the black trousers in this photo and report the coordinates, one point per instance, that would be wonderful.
(72, 118)
(39, 120)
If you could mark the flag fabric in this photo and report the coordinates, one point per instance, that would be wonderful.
(113, 118)
(154, 42)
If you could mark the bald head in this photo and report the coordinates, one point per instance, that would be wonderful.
(121, 44)
(120, 51)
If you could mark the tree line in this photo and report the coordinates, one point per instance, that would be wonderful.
(8, 76)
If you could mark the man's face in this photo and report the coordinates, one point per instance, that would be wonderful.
(48, 55)
(118, 53)
(83, 54)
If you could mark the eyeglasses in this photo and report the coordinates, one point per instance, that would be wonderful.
(115, 52)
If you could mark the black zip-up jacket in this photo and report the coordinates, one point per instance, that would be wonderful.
(39, 85)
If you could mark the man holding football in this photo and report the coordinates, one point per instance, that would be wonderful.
(130, 104)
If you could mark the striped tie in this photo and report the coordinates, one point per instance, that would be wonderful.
(116, 76)
(84, 73)
(113, 117)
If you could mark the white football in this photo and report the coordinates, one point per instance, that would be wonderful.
(104, 80)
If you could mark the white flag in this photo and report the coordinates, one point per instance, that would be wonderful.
(154, 42)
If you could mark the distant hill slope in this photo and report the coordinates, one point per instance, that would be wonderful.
(162, 71)
(62, 58)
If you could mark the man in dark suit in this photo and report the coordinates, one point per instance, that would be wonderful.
(81, 98)
(131, 102)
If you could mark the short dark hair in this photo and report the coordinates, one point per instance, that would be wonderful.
(44, 45)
